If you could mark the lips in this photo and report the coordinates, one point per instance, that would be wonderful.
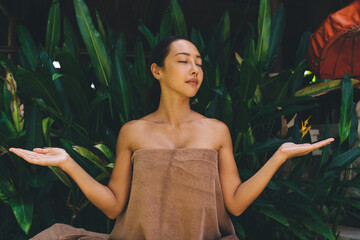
(194, 81)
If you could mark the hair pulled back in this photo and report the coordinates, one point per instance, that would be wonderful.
(158, 55)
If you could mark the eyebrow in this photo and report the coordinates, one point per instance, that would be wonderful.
(187, 54)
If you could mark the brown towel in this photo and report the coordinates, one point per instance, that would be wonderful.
(175, 194)
(61, 231)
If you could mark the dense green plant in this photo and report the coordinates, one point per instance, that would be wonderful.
(82, 105)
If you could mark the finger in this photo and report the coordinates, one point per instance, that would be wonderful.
(323, 143)
(29, 156)
(24, 153)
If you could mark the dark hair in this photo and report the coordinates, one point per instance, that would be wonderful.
(158, 55)
(161, 50)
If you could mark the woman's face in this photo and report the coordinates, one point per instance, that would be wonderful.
(182, 70)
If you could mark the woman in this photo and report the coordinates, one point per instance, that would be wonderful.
(175, 175)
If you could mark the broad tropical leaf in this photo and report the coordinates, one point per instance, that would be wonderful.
(53, 29)
(94, 44)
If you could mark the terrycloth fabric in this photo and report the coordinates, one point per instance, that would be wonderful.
(175, 194)
(61, 231)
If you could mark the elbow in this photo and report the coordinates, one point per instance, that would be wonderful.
(237, 213)
(112, 215)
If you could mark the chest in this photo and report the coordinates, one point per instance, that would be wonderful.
(196, 135)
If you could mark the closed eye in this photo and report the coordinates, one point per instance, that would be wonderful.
(182, 61)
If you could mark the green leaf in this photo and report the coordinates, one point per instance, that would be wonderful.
(225, 34)
(71, 66)
(353, 135)
(321, 88)
(319, 227)
(28, 46)
(71, 41)
(4, 61)
(107, 152)
(74, 92)
(291, 185)
(264, 29)
(34, 85)
(62, 176)
(148, 35)
(34, 137)
(53, 29)
(273, 213)
(197, 40)
(238, 228)
(165, 26)
(101, 27)
(178, 19)
(93, 42)
(346, 105)
(121, 85)
(22, 206)
(92, 157)
(326, 149)
(277, 29)
(248, 80)
(344, 159)
(46, 126)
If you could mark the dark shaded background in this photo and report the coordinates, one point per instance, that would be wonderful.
(124, 15)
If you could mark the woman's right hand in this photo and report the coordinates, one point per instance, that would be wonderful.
(57, 157)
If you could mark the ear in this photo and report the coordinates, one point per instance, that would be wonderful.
(156, 70)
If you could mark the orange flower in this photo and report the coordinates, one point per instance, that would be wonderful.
(304, 128)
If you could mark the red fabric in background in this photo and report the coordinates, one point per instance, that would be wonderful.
(331, 42)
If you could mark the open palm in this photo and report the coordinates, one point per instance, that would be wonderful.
(43, 156)
(290, 150)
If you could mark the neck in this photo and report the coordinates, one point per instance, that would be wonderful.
(173, 109)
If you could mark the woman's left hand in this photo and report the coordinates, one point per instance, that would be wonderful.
(289, 150)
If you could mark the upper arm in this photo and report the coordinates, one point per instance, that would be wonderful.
(228, 172)
(120, 180)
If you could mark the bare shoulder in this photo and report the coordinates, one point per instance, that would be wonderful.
(218, 126)
(128, 132)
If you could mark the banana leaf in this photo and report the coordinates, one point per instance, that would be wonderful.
(165, 25)
(74, 92)
(23, 206)
(28, 47)
(322, 88)
(71, 41)
(277, 29)
(353, 134)
(264, 30)
(92, 157)
(107, 152)
(274, 213)
(53, 29)
(148, 35)
(319, 227)
(93, 42)
(34, 136)
(34, 85)
(344, 159)
(46, 126)
(346, 108)
(121, 85)
(178, 19)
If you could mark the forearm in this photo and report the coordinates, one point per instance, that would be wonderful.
(101, 196)
(249, 190)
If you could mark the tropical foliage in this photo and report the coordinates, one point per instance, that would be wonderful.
(82, 105)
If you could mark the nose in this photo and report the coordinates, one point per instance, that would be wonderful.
(194, 69)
